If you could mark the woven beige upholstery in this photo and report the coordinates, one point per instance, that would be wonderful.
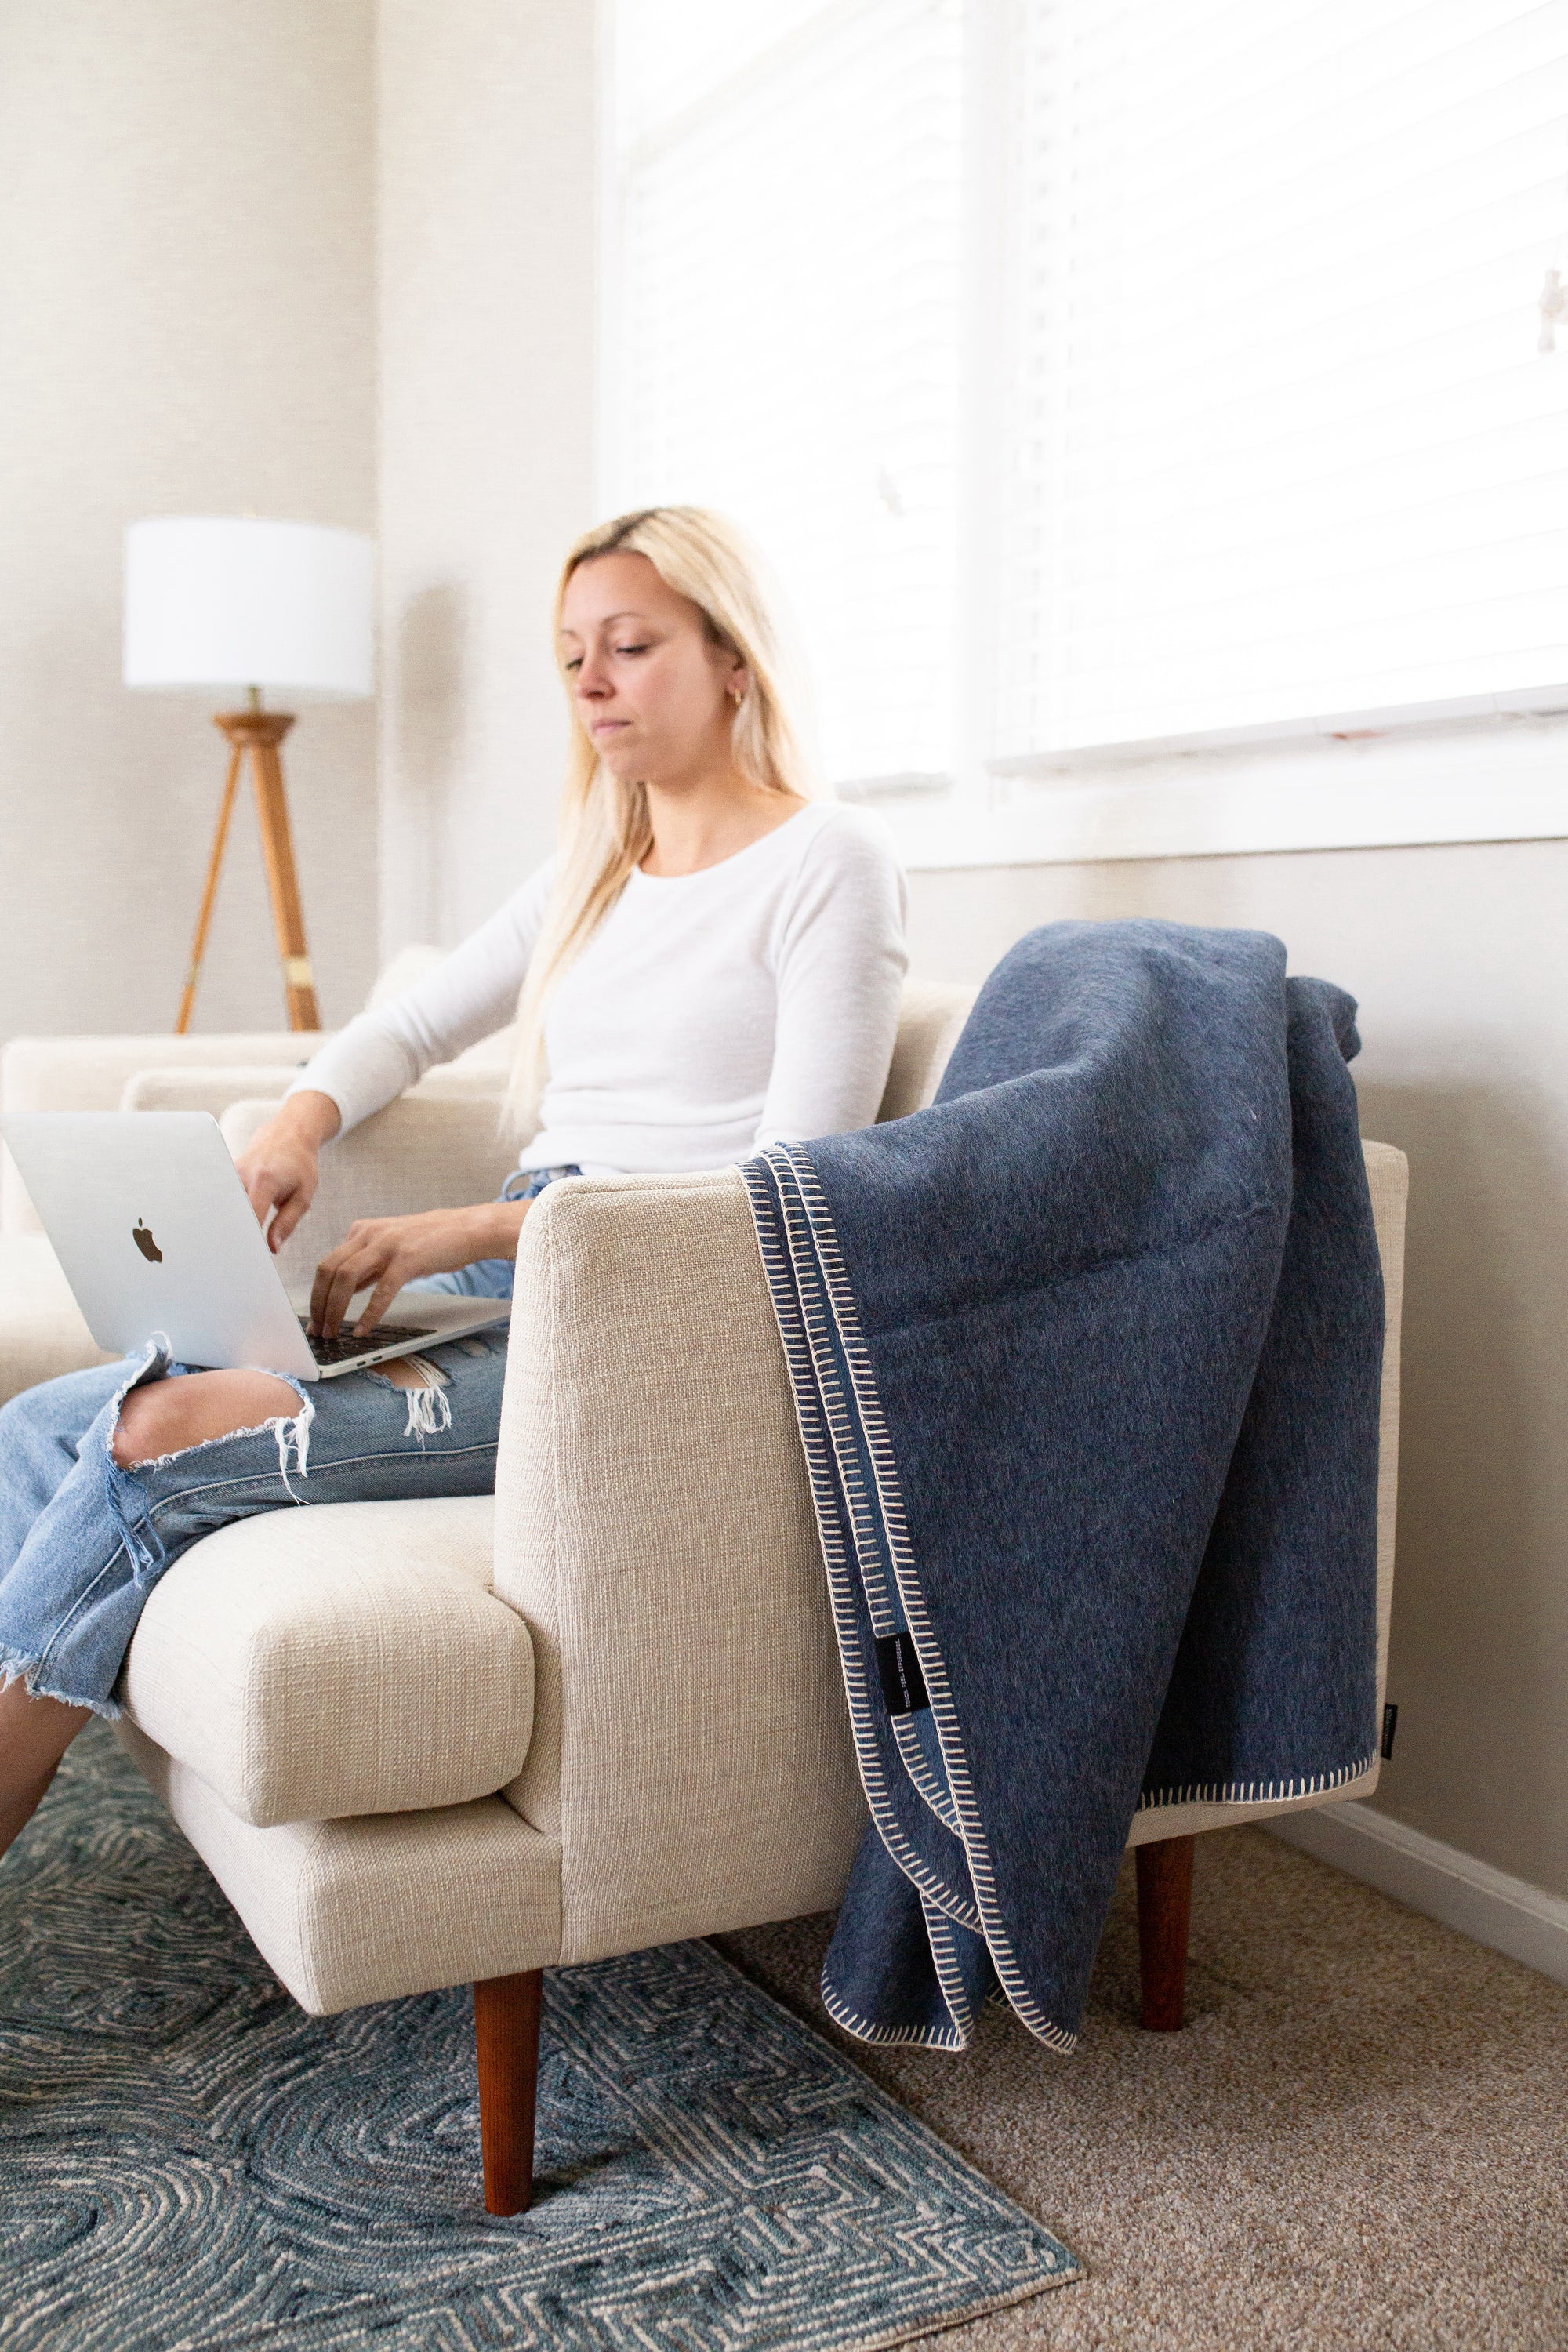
(344, 1658)
(433, 1149)
(42, 1333)
(217, 1089)
(654, 1526)
(212, 1088)
(381, 1906)
(929, 1021)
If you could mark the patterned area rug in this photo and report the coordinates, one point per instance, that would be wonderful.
(189, 2162)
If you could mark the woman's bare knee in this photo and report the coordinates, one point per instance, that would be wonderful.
(167, 1416)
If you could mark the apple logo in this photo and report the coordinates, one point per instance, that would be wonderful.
(145, 1243)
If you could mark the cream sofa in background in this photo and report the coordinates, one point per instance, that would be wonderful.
(425, 1743)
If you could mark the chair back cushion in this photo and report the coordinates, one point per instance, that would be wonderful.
(933, 1012)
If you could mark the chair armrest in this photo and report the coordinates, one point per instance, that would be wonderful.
(654, 1526)
(93, 1074)
(1388, 1181)
(438, 1147)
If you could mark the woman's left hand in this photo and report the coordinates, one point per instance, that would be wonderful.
(381, 1254)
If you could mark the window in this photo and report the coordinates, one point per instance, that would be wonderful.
(1107, 372)
(1281, 442)
(785, 328)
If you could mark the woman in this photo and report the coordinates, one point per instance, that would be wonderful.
(712, 963)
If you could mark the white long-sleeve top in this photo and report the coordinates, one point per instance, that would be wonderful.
(711, 1012)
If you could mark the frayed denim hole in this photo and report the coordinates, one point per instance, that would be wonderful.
(296, 1431)
(428, 1407)
(123, 1491)
(127, 1495)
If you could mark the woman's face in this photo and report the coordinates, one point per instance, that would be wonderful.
(652, 689)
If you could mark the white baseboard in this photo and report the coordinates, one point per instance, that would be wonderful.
(1486, 1904)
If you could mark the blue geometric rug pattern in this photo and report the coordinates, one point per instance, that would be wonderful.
(188, 2163)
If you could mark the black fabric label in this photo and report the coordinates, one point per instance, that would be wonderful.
(903, 1684)
(1390, 1717)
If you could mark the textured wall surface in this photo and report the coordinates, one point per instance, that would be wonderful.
(1459, 959)
(187, 326)
(488, 193)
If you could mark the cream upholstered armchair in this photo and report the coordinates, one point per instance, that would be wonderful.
(427, 1743)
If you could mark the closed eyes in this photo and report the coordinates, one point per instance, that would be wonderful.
(576, 664)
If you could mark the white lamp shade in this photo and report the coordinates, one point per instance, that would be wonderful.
(214, 603)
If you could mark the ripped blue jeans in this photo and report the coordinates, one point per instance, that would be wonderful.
(82, 1541)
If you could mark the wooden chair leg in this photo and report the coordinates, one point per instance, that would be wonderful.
(1164, 1916)
(506, 2030)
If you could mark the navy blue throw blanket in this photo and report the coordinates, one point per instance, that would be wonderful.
(1087, 1361)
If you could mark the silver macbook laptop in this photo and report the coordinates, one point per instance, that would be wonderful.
(153, 1229)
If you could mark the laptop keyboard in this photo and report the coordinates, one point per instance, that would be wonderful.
(338, 1351)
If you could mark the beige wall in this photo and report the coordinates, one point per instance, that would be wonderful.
(1459, 959)
(487, 182)
(185, 326)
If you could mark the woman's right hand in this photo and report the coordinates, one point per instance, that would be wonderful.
(278, 1166)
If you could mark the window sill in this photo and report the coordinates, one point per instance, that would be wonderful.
(1495, 779)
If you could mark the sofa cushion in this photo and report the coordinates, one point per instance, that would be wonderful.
(41, 1329)
(338, 1659)
(932, 1013)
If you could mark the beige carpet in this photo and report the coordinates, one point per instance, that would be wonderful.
(1360, 2139)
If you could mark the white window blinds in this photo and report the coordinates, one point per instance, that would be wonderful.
(1281, 443)
(1215, 337)
(784, 327)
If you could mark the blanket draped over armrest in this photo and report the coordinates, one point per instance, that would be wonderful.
(1086, 1358)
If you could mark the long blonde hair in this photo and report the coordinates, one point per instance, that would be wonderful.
(605, 830)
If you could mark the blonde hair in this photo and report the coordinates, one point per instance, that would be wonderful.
(605, 830)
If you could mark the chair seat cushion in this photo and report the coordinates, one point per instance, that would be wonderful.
(41, 1330)
(341, 1659)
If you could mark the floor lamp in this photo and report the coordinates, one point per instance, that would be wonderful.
(244, 607)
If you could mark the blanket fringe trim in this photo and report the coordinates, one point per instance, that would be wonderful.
(811, 1296)
(778, 1266)
(908, 2037)
(1255, 1793)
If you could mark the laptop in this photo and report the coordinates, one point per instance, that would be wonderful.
(155, 1233)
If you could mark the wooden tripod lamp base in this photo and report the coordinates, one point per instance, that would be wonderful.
(214, 603)
(254, 737)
